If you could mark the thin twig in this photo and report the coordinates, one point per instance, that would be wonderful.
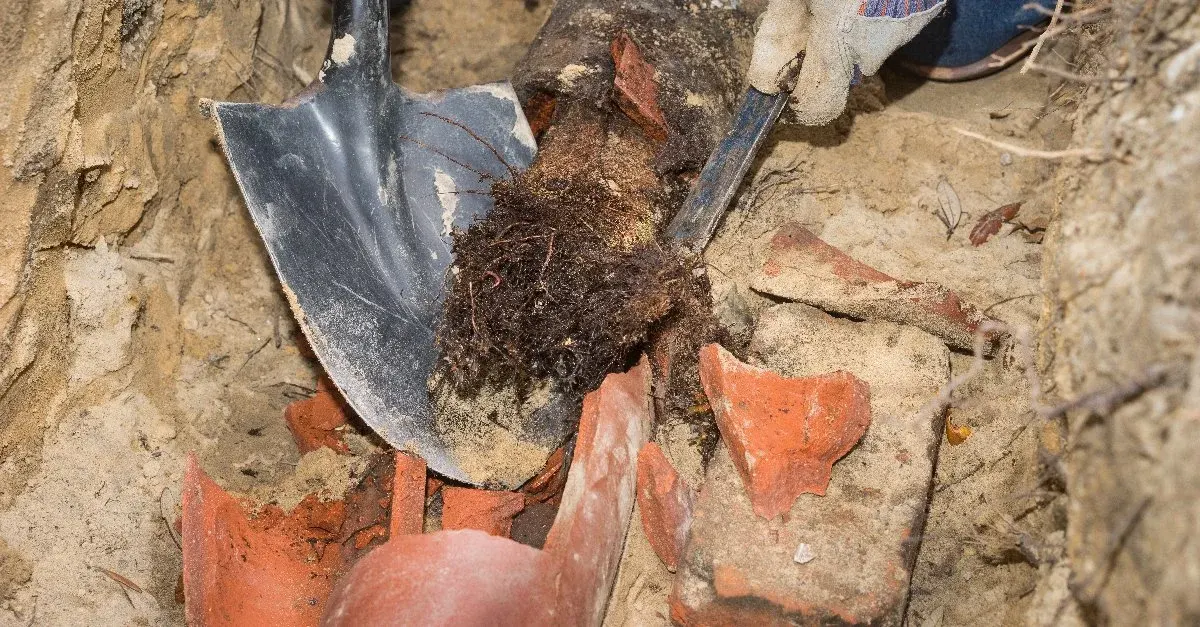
(167, 522)
(546, 261)
(1037, 48)
(1076, 18)
(1079, 78)
(1099, 402)
(125, 582)
(1105, 401)
(1002, 301)
(511, 170)
(945, 396)
(1085, 153)
(1090, 588)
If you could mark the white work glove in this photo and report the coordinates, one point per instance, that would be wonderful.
(835, 35)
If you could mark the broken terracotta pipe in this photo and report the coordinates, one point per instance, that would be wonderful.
(468, 577)
(665, 503)
(489, 511)
(317, 421)
(257, 565)
(784, 434)
(409, 487)
(804, 268)
(267, 569)
(548, 484)
(635, 89)
(845, 558)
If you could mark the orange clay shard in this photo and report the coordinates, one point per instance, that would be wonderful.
(636, 88)
(957, 434)
(665, 502)
(802, 267)
(317, 421)
(488, 511)
(784, 434)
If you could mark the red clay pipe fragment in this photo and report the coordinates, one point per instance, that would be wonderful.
(679, 81)
(840, 559)
(248, 565)
(548, 483)
(784, 434)
(407, 515)
(589, 532)
(489, 511)
(314, 422)
(368, 508)
(467, 577)
(636, 89)
(802, 267)
(665, 503)
(267, 569)
(462, 577)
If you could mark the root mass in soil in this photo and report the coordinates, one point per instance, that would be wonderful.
(562, 280)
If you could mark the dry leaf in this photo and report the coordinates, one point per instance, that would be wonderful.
(121, 579)
(989, 223)
(957, 434)
(949, 206)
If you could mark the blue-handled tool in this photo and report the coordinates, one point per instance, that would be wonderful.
(694, 224)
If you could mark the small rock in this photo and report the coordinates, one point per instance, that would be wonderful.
(665, 502)
(804, 554)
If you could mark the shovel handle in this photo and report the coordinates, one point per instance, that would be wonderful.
(358, 41)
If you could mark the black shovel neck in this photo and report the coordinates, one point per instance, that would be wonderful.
(358, 43)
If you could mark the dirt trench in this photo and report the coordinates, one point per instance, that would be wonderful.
(139, 315)
(140, 320)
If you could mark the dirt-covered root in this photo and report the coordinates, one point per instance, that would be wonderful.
(564, 278)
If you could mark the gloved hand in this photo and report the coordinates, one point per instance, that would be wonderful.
(835, 35)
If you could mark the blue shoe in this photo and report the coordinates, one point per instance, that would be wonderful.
(973, 38)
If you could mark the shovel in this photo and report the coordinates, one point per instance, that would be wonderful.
(355, 186)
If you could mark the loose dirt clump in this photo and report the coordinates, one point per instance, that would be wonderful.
(566, 276)
(14, 570)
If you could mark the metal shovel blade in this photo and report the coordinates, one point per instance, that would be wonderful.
(355, 186)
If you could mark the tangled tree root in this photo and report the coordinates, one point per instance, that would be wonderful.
(565, 277)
